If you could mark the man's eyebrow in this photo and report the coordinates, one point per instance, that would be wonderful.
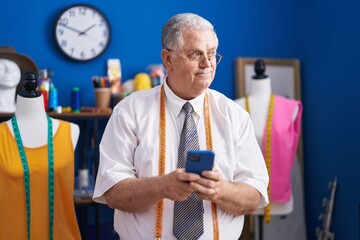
(192, 50)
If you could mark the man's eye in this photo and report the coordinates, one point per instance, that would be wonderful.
(195, 55)
(211, 54)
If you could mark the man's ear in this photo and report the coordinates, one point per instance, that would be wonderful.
(166, 59)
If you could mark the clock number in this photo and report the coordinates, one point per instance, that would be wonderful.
(93, 51)
(63, 21)
(60, 31)
(93, 13)
(105, 33)
(71, 13)
(82, 54)
(63, 43)
(82, 10)
(102, 22)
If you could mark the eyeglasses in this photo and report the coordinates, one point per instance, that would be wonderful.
(198, 56)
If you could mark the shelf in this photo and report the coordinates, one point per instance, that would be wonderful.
(83, 201)
(81, 115)
(68, 115)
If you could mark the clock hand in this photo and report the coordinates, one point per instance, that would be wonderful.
(71, 28)
(84, 32)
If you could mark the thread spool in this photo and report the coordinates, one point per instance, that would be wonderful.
(53, 99)
(75, 100)
(83, 178)
(59, 109)
(45, 97)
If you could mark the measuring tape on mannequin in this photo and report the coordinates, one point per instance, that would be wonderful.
(162, 156)
(267, 212)
(27, 175)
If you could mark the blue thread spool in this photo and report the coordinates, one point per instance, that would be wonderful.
(75, 100)
(53, 99)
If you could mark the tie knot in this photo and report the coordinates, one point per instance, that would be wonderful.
(188, 107)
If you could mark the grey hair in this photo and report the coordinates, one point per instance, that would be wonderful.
(172, 38)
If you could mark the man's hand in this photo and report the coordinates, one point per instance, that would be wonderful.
(177, 184)
(208, 186)
(138, 194)
(233, 198)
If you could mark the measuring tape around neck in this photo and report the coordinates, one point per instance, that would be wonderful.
(162, 156)
(267, 211)
(27, 175)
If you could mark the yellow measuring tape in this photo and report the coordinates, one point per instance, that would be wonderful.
(162, 156)
(267, 212)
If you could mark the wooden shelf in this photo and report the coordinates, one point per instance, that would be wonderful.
(67, 115)
(80, 115)
(83, 201)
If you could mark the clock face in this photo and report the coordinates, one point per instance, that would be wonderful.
(82, 32)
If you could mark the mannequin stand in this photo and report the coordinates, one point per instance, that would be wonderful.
(261, 222)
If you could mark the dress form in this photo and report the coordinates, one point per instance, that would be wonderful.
(31, 116)
(259, 98)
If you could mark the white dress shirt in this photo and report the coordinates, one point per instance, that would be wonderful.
(130, 149)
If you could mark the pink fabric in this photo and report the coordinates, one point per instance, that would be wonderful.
(284, 142)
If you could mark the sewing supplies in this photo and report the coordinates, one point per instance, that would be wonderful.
(102, 91)
(142, 81)
(45, 83)
(75, 100)
(100, 81)
(53, 99)
(27, 175)
(114, 74)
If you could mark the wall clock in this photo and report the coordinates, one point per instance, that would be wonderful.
(82, 32)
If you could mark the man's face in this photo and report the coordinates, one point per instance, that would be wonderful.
(190, 71)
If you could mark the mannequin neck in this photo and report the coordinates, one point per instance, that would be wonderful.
(7, 100)
(30, 108)
(260, 87)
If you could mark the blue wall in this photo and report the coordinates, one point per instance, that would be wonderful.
(330, 53)
(323, 35)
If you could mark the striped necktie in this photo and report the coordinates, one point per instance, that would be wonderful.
(188, 214)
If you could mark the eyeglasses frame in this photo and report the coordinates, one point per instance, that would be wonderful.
(208, 58)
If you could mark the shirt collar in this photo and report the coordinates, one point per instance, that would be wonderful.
(177, 103)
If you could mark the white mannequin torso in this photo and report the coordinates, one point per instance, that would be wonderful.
(259, 99)
(31, 118)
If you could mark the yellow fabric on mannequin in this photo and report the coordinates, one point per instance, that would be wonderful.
(12, 191)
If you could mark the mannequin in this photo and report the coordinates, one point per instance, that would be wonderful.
(259, 100)
(13, 65)
(31, 118)
(32, 123)
(10, 75)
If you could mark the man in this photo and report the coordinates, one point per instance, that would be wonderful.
(138, 174)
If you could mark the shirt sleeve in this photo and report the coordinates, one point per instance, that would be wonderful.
(116, 160)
